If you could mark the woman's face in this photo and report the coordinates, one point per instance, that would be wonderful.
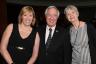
(27, 18)
(71, 15)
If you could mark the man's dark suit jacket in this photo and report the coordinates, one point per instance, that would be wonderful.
(55, 53)
(91, 31)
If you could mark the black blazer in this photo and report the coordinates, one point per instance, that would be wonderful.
(56, 48)
(91, 31)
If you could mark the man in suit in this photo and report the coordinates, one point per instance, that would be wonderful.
(51, 48)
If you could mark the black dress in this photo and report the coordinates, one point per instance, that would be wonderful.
(21, 49)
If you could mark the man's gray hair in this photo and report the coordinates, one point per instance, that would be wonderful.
(50, 8)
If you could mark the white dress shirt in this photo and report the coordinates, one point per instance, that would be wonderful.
(47, 32)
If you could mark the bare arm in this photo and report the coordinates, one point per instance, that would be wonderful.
(4, 43)
(35, 50)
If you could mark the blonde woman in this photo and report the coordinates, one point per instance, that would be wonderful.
(20, 42)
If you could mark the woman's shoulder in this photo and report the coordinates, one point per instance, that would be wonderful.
(9, 27)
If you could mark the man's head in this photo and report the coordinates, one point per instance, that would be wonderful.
(51, 14)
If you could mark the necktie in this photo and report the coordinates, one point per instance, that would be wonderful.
(49, 38)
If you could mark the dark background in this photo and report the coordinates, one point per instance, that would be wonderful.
(87, 13)
(87, 9)
(9, 10)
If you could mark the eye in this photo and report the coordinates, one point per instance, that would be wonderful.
(48, 14)
(67, 14)
(30, 15)
(24, 15)
(55, 15)
(73, 12)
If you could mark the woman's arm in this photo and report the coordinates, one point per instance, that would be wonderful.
(35, 50)
(4, 43)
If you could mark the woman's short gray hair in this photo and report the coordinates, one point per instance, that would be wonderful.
(50, 8)
(71, 7)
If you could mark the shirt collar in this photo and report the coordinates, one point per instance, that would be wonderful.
(53, 28)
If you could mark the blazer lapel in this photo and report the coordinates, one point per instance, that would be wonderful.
(55, 36)
(55, 33)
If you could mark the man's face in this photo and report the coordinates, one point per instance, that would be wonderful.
(51, 17)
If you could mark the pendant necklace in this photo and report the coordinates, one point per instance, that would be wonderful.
(76, 33)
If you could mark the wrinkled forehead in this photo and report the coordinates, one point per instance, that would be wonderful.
(72, 10)
(52, 10)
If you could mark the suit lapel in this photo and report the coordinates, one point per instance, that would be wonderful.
(55, 37)
(55, 33)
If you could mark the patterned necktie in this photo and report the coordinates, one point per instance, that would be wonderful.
(49, 38)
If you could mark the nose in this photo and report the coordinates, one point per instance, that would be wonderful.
(71, 15)
(51, 17)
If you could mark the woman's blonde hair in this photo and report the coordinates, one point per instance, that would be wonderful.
(27, 9)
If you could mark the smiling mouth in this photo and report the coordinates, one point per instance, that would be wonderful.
(51, 21)
(27, 21)
(72, 18)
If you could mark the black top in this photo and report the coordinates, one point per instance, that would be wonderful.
(21, 49)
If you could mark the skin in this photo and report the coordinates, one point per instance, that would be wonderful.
(24, 29)
(27, 18)
(25, 26)
(51, 17)
(72, 17)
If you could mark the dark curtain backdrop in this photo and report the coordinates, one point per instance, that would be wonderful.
(9, 14)
(87, 13)
(3, 20)
(3, 16)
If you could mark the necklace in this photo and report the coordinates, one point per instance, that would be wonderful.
(74, 43)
